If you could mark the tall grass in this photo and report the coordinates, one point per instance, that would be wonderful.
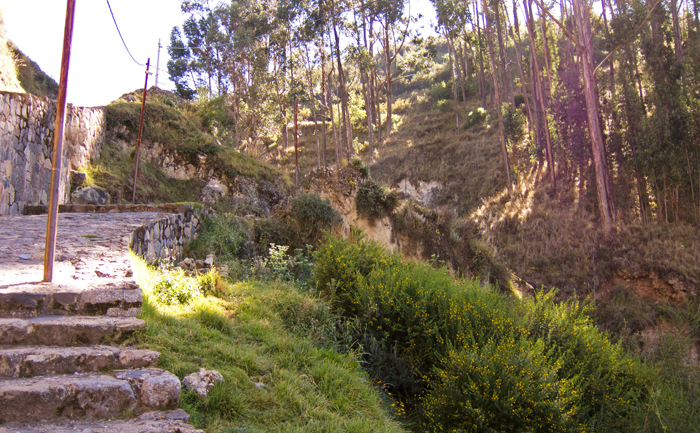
(277, 379)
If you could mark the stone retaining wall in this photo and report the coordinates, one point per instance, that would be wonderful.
(26, 148)
(164, 239)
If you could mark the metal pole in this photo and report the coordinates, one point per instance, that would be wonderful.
(138, 143)
(158, 62)
(52, 220)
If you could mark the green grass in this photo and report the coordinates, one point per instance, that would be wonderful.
(114, 171)
(263, 333)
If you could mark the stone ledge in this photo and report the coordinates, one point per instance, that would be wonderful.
(112, 208)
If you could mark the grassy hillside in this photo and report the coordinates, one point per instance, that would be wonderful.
(32, 78)
(175, 129)
(8, 67)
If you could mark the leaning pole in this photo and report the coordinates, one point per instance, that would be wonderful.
(52, 220)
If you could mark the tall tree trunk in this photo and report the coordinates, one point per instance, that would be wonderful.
(507, 89)
(324, 96)
(336, 137)
(462, 73)
(310, 84)
(515, 33)
(583, 27)
(367, 92)
(482, 79)
(450, 52)
(494, 75)
(545, 51)
(389, 78)
(540, 93)
(343, 94)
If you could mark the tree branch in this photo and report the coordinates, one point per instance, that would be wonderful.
(634, 34)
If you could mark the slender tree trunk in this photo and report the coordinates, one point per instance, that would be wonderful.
(462, 73)
(540, 91)
(343, 94)
(545, 50)
(507, 89)
(366, 86)
(454, 85)
(389, 79)
(312, 95)
(324, 106)
(516, 41)
(482, 79)
(583, 27)
(494, 75)
(336, 138)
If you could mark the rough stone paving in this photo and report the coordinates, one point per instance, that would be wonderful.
(56, 374)
(91, 248)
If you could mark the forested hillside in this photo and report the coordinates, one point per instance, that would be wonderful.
(608, 90)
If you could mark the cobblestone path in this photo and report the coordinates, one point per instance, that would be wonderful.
(91, 248)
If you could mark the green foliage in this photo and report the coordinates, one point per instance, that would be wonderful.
(471, 359)
(361, 166)
(312, 215)
(281, 352)
(513, 124)
(226, 235)
(375, 200)
(476, 117)
(507, 386)
(441, 91)
(278, 264)
(174, 287)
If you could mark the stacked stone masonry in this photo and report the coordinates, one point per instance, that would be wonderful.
(27, 126)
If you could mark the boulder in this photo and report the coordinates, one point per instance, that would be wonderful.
(213, 191)
(77, 177)
(91, 195)
(202, 381)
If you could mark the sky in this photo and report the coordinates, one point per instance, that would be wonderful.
(101, 70)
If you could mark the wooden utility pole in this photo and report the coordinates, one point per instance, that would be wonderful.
(52, 220)
(138, 143)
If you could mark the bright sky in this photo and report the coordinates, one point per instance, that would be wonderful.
(101, 69)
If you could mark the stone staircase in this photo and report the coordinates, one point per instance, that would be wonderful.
(61, 366)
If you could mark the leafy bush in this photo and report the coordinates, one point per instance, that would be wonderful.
(513, 124)
(225, 235)
(360, 166)
(466, 358)
(374, 200)
(441, 91)
(313, 215)
(174, 287)
(476, 117)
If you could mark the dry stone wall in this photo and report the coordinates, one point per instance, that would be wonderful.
(163, 239)
(26, 148)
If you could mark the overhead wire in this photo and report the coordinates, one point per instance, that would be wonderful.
(120, 35)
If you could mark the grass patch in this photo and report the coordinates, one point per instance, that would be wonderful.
(114, 172)
(277, 379)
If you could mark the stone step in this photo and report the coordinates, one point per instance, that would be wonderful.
(32, 300)
(87, 395)
(66, 330)
(41, 361)
(150, 422)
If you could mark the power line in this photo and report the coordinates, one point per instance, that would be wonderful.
(120, 35)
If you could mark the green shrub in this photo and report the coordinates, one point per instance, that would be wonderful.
(509, 386)
(174, 287)
(467, 358)
(226, 235)
(476, 117)
(374, 200)
(312, 215)
(360, 166)
(441, 91)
